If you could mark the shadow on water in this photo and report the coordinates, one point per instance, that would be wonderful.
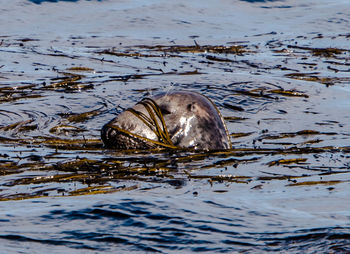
(55, 1)
(261, 1)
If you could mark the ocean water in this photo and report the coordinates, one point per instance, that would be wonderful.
(277, 70)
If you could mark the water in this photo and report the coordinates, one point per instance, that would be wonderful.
(68, 67)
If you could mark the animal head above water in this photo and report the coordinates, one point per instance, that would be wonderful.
(179, 119)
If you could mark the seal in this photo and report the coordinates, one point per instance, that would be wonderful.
(178, 119)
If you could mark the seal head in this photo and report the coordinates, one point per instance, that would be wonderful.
(184, 120)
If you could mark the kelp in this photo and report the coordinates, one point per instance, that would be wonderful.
(128, 77)
(241, 134)
(286, 161)
(66, 129)
(93, 190)
(69, 82)
(101, 190)
(80, 69)
(222, 178)
(289, 93)
(217, 49)
(298, 133)
(229, 162)
(173, 51)
(311, 183)
(56, 143)
(81, 117)
(29, 87)
(13, 96)
(328, 81)
(21, 126)
(234, 118)
(130, 54)
(154, 121)
(322, 52)
(97, 173)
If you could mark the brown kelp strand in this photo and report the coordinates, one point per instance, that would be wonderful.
(20, 126)
(289, 93)
(13, 96)
(222, 178)
(311, 183)
(322, 52)
(128, 77)
(56, 143)
(113, 52)
(71, 82)
(298, 133)
(72, 144)
(101, 190)
(287, 161)
(241, 134)
(259, 94)
(315, 77)
(66, 129)
(229, 162)
(81, 117)
(80, 69)
(8, 167)
(219, 49)
(20, 88)
(234, 118)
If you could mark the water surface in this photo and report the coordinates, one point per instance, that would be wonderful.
(277, 70)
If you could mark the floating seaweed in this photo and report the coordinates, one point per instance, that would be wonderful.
(20, 126)
(66, 129)
(81, 117)
(328, 81)
(81, 69)
(289, 93)
(298, 133)
(286, 161)
(218, 49)
(310, 183)
(322, 52)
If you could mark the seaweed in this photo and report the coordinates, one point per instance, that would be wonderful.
(322, 52)
(286, 161)
(69, 83)
(218, 49)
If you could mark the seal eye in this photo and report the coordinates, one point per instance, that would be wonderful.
(192, 107)
(189, 107)
(164, 110)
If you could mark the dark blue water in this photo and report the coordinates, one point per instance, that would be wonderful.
(54, 1)
(169, 224)
(247, 201)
